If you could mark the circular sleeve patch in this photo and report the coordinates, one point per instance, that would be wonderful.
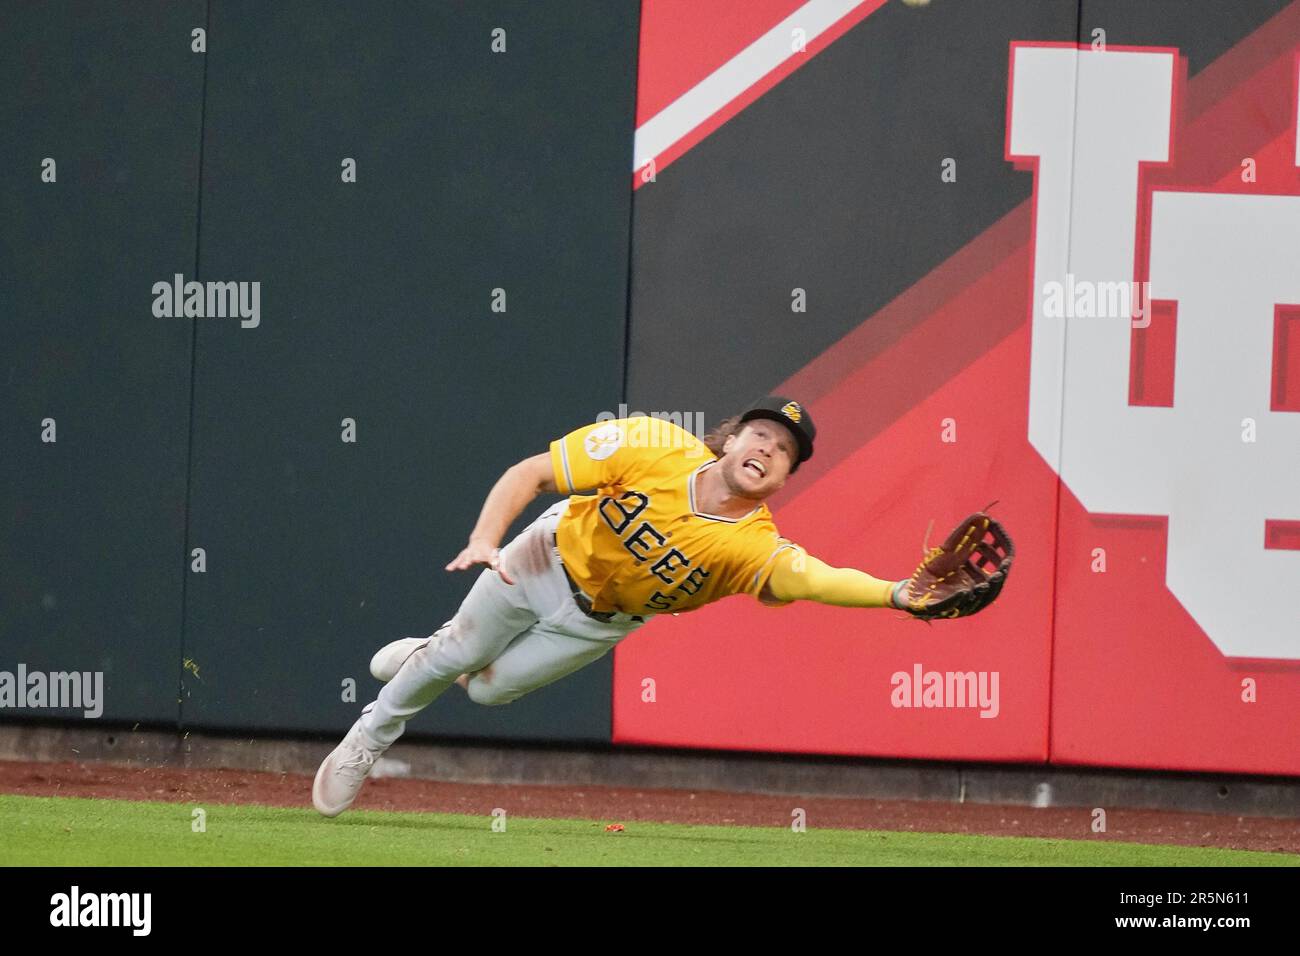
(602, 442)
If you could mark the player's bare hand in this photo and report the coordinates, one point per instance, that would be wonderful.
(479, 553)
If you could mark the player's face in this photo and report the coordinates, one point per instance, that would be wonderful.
(758, 459)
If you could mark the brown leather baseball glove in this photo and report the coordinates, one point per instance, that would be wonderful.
(963, 575)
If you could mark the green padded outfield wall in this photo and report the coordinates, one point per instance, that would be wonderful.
(92, 524)
(476, 169)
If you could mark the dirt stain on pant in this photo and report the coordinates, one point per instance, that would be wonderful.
(529, 556)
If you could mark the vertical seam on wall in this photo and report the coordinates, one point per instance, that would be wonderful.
(1060, 431)
(627, 297)
(631, 211)
(194, 342)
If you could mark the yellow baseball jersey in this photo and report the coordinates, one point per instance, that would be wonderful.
(639, 545)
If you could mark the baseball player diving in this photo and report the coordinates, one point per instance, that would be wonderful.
(656, 521)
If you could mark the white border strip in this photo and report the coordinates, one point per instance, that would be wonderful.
(564, 460)
(730, 80)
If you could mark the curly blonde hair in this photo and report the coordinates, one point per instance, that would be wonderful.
(716, 438)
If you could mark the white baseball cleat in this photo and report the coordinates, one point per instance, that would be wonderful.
(341, 774)
(388, 660)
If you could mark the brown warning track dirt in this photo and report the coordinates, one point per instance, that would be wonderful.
(618, 805)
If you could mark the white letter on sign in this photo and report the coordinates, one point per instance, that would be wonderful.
(1090, 118)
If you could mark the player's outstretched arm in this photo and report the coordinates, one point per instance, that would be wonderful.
(801, 577)
(507, 500)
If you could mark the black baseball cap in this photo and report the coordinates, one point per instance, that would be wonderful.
(793, 416)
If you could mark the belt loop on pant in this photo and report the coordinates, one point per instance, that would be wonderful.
(584, 602)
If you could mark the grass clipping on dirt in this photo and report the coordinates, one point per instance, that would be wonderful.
(66, 831)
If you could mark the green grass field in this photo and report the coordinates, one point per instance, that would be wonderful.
(78, 832)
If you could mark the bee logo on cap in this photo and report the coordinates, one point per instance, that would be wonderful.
(792, 411)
